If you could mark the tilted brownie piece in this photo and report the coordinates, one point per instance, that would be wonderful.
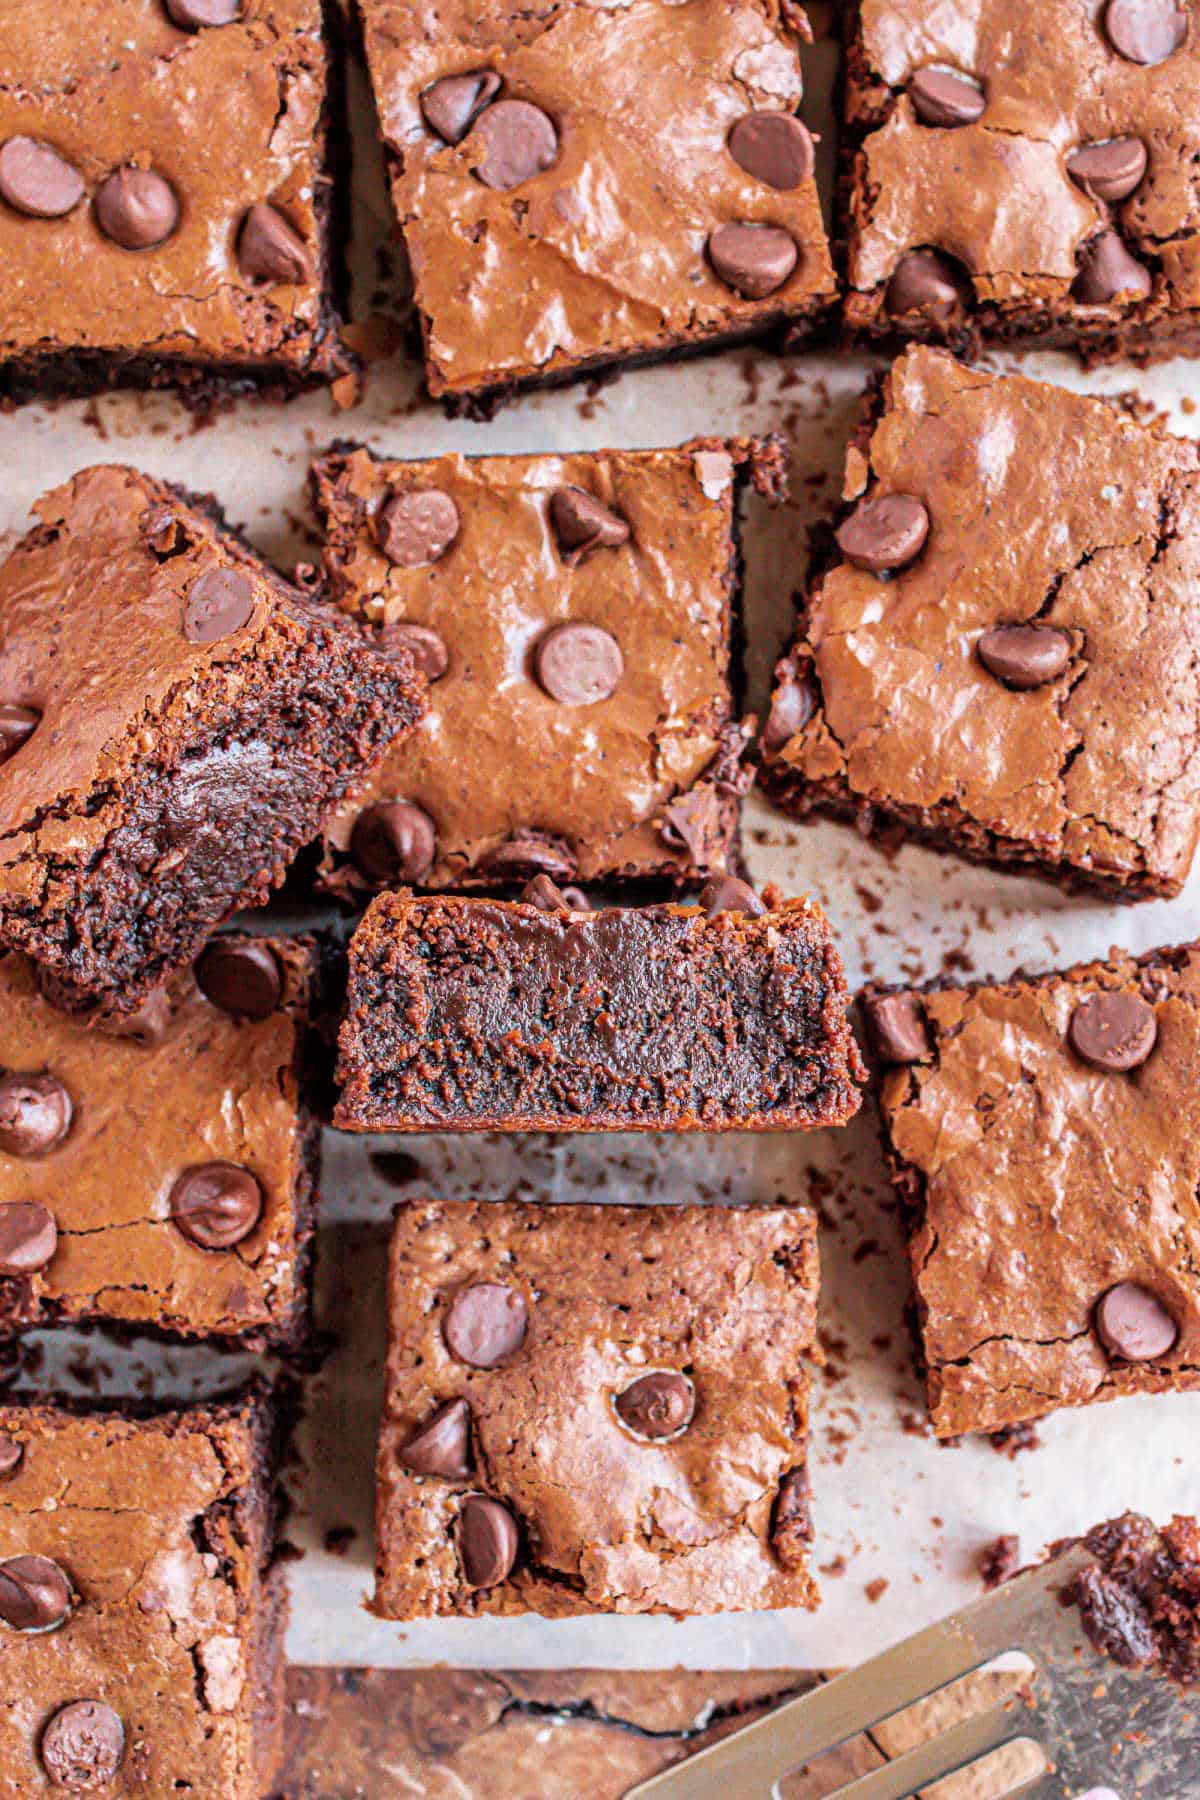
(175, 723)
(143, 1609)
(1027, 173)
(1041, 1141)
(1139, 1602)
(1003, 656)
(569, 1424)
(578, 619)
(166, 194)
(584, 186)
(159, 1169)
(474, 1015)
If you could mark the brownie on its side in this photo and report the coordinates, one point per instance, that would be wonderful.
(1002, 657)
(588, 186)
(570, 1425)
(143, 1611)
(159, 1169)
(577, 617)
(1029, 176)
(480, 1015)
(167, 194)
(1042, 1140)
(175, 723)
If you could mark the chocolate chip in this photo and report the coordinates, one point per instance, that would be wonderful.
(17, 725)
(136, 208)
(578, 665)
(884, 533)
(1024, 656)
(192, 15)
(542, 893)
(35, 1595)
(774, 147)
(1110, 169)
(271, 249)
(416, 527)
(83, 1745)
(532, 853)
(517, 141)
(28, 1237)
(443, 1446)
(216, 1205)
(35, 1114)
(792, 705)
(1145, 31)
(242, 979)
(791, 1519)
(1133, 1324)
(147, 1026)
(658, 1405)
(583, 524)
(896, 1023)
(12, 1455)
(1107, 272)
(576, 900)
(219, 602)
(487, 1541)
(923, 282)
(943, 97)
(35, 179)
(1114, 1032)
(725, 893)
(393, 841)
(422, 643)
(484, 1324)
(451, 106)
(753, 260)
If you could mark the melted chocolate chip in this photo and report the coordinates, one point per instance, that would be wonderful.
(451, 106)
(416, 527)
(517, 140)
(36, 180)
(542, 893)
(17, 726)
(12, 1455)
(1110, 169)
(531, 853)
(216, 1205)
(792, 705)
(754, 260)
(271, 249)
(896, 1023)
(923, 283)
(423, 644)
(1134, 1325)
(1145, 31)
(484, 1324)
(487, 1541)
(576, 900)
(83, 1745)
(658, 1405)
(28, 1237)
(791, 1520)
(578, 665)
(583, 524)
(393, 841)
(773, 147)
(884, 533)
(943, 97)
(193, 15)
(1115, 1031)
(1107, 272)
(725, 893)
(35, 1114)
(35, 1595)
(220, 601)
(136, 208)
(443, 1446)
(1024, 656)
(242, 979)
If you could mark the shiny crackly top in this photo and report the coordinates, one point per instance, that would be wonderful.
(213, 1088)
(996, 194)
(603, 253)
(495, 753)
(230, 116)
(158, 1631)
(610, 1522)
(1046, 1183)
(1041, 502)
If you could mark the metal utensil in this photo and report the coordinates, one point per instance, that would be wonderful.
(1106, 1732)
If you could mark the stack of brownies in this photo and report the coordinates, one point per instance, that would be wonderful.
(505, 714)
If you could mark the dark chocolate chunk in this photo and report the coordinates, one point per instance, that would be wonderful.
(35, 1595)
(531, 853)
(271, 249)
(423, 644)
(242, 979)
(136, 208)
(725, 893)
(35, 179)
(1113, 1031)
(487, 1541)
(1110, 169)
(583, 524)
(193, 15)
(1107, 272)
(1024, 656)
(485, 1323)
(220, 601)
(791, 1519)
(451, 106)
(35, 1114)
(578, 665)
(545, 895)
(83, 1745)
(658, 1405)
(754, 260)
(944, 97)
(28, 1237)
(17, 725)
(1115, 1620)
(12, 1455)
(1134, 1325)
(443, 1446)
(393, 841)
(216, 1205)
(1146, 31)
(517, 140)
(924, 283)
(792, 705)
(896, 1023)
(416, 527)
(774, 147)
(884, 533)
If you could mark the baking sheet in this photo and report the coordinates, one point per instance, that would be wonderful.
(900, 1519)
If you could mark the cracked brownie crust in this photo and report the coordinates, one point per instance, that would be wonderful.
(909, 702)
(541, 1326)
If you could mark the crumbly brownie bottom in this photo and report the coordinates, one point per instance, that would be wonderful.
(1140, 1601)
(1113, 342)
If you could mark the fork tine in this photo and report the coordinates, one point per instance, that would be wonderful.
(945, 1755)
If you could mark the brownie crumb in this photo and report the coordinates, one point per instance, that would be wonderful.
(1000, 1560)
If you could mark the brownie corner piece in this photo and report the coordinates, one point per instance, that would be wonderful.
(568, 1427)
(175, 722)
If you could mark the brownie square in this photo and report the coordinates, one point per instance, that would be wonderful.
(1039, 1138)
(479, 1015)
(569, 1427)
(998, 655)
(144, 1613)
(167, 194)
(175, 722)
(531, 761)
(585, 186)
(1028, 176)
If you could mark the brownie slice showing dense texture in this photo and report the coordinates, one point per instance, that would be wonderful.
(478, 1015)
(175, 723)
